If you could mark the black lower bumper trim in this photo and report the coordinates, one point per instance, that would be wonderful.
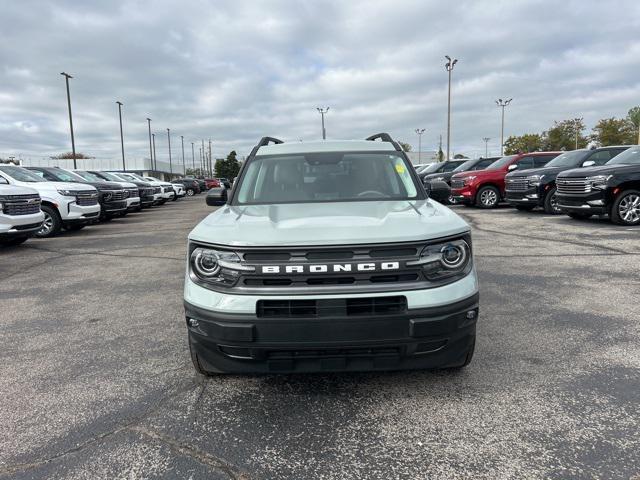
(420, 338)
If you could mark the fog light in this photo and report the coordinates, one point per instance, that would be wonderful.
(533, 195)
(471, 314)
(596, 202)
(193, 322)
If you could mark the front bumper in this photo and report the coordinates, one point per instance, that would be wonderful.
(20, 225)
(595, 203)
(464, 195)
(132, 203)
(111, 208)
(435, 330)
(531, 196)
(74, 213)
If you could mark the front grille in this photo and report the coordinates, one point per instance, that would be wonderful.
(517, 184)
(342, 307)
(117, 194)
(457, 183)
(573, 185)
(86, 198)
(133, 192)
(21, 208)
(168, 189)
(27, 196)
(157, 190)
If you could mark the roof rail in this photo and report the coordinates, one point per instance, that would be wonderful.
(385, 137)
(264, 141)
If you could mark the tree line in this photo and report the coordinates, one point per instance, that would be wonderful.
(570, 135)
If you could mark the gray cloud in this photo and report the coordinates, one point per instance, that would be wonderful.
(235, 71)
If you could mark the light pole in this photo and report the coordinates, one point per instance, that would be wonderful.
(204, 158)
(150, 147)
(210, 161)
(322, 111)
(486, 146)
(73, 141)
(502, 103)
(184, 165)
(170, 166)
(449, 67)
(124, 167)
(153, 135)
(419, 131)
(193, 159)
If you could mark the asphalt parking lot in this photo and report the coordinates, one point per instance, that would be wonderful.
(96, 379)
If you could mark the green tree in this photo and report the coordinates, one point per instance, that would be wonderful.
(405, 146)
(69, 155)
(634, 118)
(562, 136)
(440, 155)
(529, 142)
(228, 167)
(614, 131)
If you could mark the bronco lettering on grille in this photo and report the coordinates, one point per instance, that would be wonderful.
(335, 268)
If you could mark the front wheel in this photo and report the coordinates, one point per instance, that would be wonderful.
(626, 208)
(488, 197)
(551, 203)
(190, 192)
(52, 222)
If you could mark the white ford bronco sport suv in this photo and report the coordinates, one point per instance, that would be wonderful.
(330, 256)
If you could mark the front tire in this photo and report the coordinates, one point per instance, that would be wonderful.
(488, 197)
(551, 203)
(626, 208)
(190, 192)
(52, 222)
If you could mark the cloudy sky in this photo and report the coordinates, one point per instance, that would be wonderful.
(235, 70)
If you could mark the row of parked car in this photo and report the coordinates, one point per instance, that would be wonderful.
(579, 183)
(42, 201)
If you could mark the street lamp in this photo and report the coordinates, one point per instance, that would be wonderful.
(124, 167)
(73, 141)
(502, 103)
(150, 147)
(486, 146)
(193, 159)
(419, 131)
(449, 67)
(155, 157)
(322, 111)
(184, 165)
(170, 166)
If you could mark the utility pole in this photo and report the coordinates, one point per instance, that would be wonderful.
(201, 160)
(420, 131)
(449, 67)
(170, 165)
(440, 148)
(193, 159)
(150, 147)
(486, 146)
(502, 103)
(204, 157)
(124, 167)
(73, 141)
(184, 165)
(210, 161)
(153, 135)
(322, 111)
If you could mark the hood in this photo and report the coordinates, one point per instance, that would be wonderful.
(538, 171)
(73, 186)
(432, 176)
(601, 170)
(125, 184)
(342, 223)
(479, 173)
(16, 190)
(106, 185)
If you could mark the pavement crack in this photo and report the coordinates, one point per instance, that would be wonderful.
(202, 457)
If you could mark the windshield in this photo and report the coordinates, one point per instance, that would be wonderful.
(65, 176)
(128, 177)
(108, 176)
(20, 174)
(568, 159)
(631, 156)
(500, 163)
(431, 168)
(326, 177)
(465, 166)
(89, 177)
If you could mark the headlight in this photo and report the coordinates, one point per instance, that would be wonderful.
(444, 260)
(599, 182)
(67, 193)
(216, 267)
(534, 180)
(438, 178)
(469, 179)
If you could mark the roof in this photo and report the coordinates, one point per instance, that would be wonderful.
(325, 146)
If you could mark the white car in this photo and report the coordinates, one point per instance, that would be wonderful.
(120, 177)
(64, 204)
(179, 189)
(20, 214)
(167, 188)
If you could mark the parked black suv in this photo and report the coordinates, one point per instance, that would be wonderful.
(529, 189)
(191, 185)
(440, 167)
(145, 189)
(112, 197)
(612, 189)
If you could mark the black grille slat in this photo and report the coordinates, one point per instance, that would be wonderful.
(457, 183)
(331, 308)
(573, 185)
(517, 184)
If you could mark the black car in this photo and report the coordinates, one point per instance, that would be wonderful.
(440, 167)
(191, 185)
(612, 189)
(529, 189)
(112, 197)
(469, 165)
(145, 189)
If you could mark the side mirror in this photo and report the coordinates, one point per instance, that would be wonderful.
(588, 163)
(438, 190)
(216, 197)
(512, 167)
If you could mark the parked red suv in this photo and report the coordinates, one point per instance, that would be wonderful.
(485, 188)
(212, 183)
